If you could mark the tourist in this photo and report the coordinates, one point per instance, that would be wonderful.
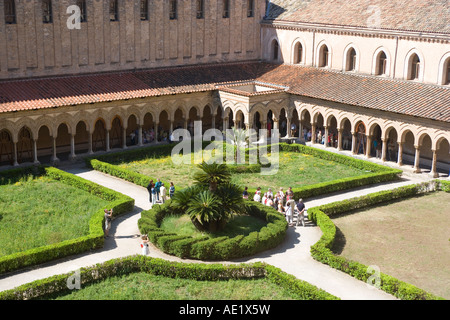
(308, 136)
(281, 194)
(245, 193)
(263, 199)
(280, 208)
(149, 188)
(163, 192)
(144, 244)
(270, 193)
(153, 194)
(289, 194)
(257, 196)
(269, 201)
(290, 207)
(108, 219)
(301, 211)
(171, 190)
(157, 188)
(293, 130)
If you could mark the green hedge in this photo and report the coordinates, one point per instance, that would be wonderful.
(444, 185)
(120, 203)
(57, 285)
(221, 248)
(321, 250)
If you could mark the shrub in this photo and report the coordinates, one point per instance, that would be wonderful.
(220, 248)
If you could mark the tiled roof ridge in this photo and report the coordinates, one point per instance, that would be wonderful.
(130, 71)
(323, 24)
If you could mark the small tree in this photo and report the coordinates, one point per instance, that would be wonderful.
(213, 200)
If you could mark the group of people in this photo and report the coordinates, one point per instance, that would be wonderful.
(329, 141)
(148, 136)
(158, 192)
(283, 202)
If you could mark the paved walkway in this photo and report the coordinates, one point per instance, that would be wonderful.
(293, 256)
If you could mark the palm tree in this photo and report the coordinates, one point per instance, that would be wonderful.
(213, 200)
(205, 211)
(212, 175)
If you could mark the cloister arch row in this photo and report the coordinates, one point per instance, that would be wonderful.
(49, 138)
(425, 149)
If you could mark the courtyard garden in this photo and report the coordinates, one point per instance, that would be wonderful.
(347, 245)
(407, 239)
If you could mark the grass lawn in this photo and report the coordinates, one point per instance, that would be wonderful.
(238, 225)
(143, 286)
(295, 169)
(408, 240)
(41, 211)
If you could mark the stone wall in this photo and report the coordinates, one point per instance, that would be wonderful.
(32, 48)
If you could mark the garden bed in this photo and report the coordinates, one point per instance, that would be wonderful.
(322, 250)
(92, 238)
(215, 248)
(57, 286)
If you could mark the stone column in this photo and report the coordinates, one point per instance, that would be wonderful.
(140, 136)
(417, 160)
(339, 146)
(225, 124)
(213, 121)
(384, 148)
(90, 144)
(288, 127)
(326, 137)
(107, 141)
(156, 131)
(54, 158)
(124, 138)
(369, 147)
(35, 161)
(354, 151)
(313, 133)
(72, 148)
(16, 163)
(433, 171)
(400, 154)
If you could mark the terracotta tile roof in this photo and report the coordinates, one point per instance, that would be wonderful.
(410, 15)
(16, 95)
(403, 97)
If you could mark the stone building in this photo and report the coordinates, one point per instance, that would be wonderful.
(373, 77)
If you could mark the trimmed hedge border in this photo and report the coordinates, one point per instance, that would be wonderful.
(222, 248)
(58, 285)
(119, 202)
(321, 250)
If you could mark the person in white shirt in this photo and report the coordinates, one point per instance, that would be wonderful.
(163, 192)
